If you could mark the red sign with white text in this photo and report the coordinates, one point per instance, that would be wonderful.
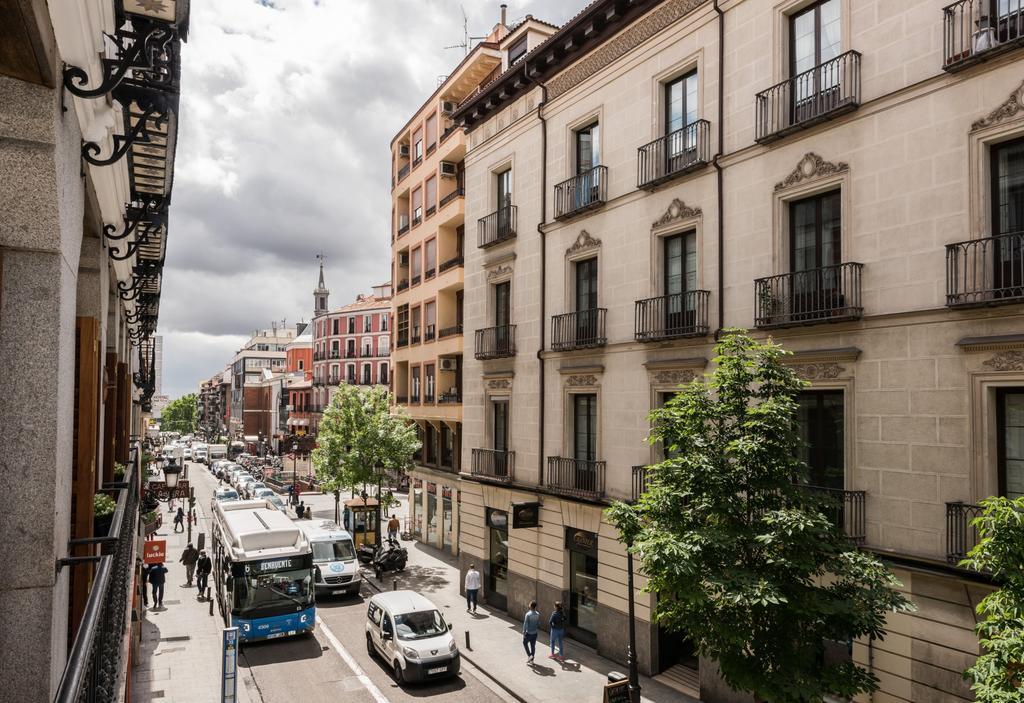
(154, 551)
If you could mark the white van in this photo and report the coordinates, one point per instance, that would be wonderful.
(334, 558)
(410, 633)
(200, 453)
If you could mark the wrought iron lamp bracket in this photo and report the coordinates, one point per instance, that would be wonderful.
(122, 143)
(136, 51)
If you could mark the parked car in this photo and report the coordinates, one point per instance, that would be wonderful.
(252, 487)
(277, 501)
(242, 482)
(412, 636)
(223, 495)
(186, 452)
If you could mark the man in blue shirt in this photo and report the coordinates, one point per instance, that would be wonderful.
(531, 622)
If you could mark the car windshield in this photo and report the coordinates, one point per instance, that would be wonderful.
(227, 495)
(342, 550)
(257, 591)
(419, 625)
(276, 500)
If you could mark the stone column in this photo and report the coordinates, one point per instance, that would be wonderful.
(41, 215)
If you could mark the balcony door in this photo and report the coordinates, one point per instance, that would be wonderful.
(680, 113)
(816, 38)
(1010, 444)
(680, 254)
(1009, 19)
(820, 419)
(585, 426)
(588, 156)
(586, 300)
(504, 196)
(815, 252)
(502, 315)
(1008, 219)
(499, 436)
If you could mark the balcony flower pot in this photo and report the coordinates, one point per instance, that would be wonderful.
(103, 507)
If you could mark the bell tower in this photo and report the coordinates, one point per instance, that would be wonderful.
(321, 292)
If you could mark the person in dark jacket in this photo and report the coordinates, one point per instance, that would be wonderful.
(189, 557)
(157, 577)
(179, 520)
(203, 568)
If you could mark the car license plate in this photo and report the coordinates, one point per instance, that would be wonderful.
(437, 670)
(338, 592)
(272, 635)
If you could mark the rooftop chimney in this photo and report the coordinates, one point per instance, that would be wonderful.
(504, 12)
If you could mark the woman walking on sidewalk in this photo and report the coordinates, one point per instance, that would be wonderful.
(557, 624)
(531, 623)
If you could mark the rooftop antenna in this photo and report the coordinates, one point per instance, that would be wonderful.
(466, 39)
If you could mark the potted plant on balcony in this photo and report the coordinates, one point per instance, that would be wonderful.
(103, 507)
(771, 308)
(119, 471)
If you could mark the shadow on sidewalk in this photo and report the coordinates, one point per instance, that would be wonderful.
(277, 651)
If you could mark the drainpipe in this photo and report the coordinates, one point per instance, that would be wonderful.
(718, 169)
(543, 267)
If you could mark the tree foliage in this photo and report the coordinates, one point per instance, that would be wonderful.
(360, 440)
(761, 577)
(180, 415)
(998, 674)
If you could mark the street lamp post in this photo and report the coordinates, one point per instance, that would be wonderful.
(295, 469)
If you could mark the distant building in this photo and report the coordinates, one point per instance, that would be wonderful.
(264, 352)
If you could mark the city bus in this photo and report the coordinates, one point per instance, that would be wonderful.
(262, 571)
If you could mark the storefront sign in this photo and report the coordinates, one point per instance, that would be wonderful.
(525, 515)
(498, 519)
(617, 692)
(154, 551)
(581, 541)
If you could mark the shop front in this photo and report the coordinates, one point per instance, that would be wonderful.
(434, 510)
(496, 588)
(581, 548)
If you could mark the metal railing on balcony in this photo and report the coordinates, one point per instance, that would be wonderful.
(495, 342)
(98, 659)
(497, 227)
(351, 354)
(672, 316)
(820, 93)
(403, 340)
(977, 30)
(846, 510)
(451, 263)
(826, 294)
(404, 171)
(431, 209)
(401, 399)
(416, 280)
(682, 151)
(640, 482)
(449, 331)
(403, 229)
(429, 332)
(576, 477)
(578, 330)
(494, 464)
(403, 285)
(416, 219)
(582, 192)
(335, 354)
(987, 271)
(457, 193)
(452, 397)
(961, 535)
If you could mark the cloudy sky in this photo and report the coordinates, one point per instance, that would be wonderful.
(288, 110)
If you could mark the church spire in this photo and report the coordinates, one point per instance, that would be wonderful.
(321, 292)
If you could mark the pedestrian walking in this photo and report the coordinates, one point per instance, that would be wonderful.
(189, 557)
(531, 623)
(394, 525)
(179, 520)
(203, 568)
(557, 624)
(157, 577)
(473, 581)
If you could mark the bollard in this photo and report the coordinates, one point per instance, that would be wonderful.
(209, 599)
(467, 641)
(394, 585)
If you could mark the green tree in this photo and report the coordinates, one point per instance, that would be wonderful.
(761, 578)
(998, 674)
(180, 415)
(360, 441)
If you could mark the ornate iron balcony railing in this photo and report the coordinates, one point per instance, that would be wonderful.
(672, 316)
(578, 330)
(826, 294)
(820, 93)
(640, 482)
(846, 510)
(682, 151)
(987, 271)
(977, 30)
(576, 477)
(496, 342)
(961, 535)
(497, 227)
(494, 464)
(582, 192)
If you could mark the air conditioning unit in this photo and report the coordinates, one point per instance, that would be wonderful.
(448, 107)
(449, 169)
(447, 364)
(403, 150)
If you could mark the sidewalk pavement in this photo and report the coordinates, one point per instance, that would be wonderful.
(182, 641)
(496, 640)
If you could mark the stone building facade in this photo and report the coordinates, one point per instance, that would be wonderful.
(848, 182)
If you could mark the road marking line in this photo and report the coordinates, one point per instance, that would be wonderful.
(351, 662)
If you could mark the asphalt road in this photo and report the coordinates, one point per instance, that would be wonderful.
(333, 664)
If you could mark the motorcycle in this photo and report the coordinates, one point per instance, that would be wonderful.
(391, 557)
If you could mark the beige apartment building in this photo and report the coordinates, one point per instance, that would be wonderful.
(428, 247)
(848, 181)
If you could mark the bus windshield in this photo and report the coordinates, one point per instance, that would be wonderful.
(258, 591)
(342, 550)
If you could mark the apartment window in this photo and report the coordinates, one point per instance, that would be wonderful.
(301, 365)
(820, 419)
(383, 374)
(502, 303)
(585, 426)
(367, 346)
(680, 102)
(1008, 217)
(415, 395)
(432, 445)
(367, 323)
(430, 253)
(350, 348)
(431, 129)
(431, 187)
(459, 302)
(367, 374)
(417, 265)
(429, 320)
(417, 149)
(447, 447)
(417, 206)
(403, 324)
(428, 377)
(384, 322)
(517, 51)
(335, 326)
(416, 331)
(383, 348)
(504, 188)
(588, 148)
(499, 415)
(351, 325)
(586, 284)
(815, 37)
(1010, 443)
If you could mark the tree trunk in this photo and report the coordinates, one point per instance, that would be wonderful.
(337, 507)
